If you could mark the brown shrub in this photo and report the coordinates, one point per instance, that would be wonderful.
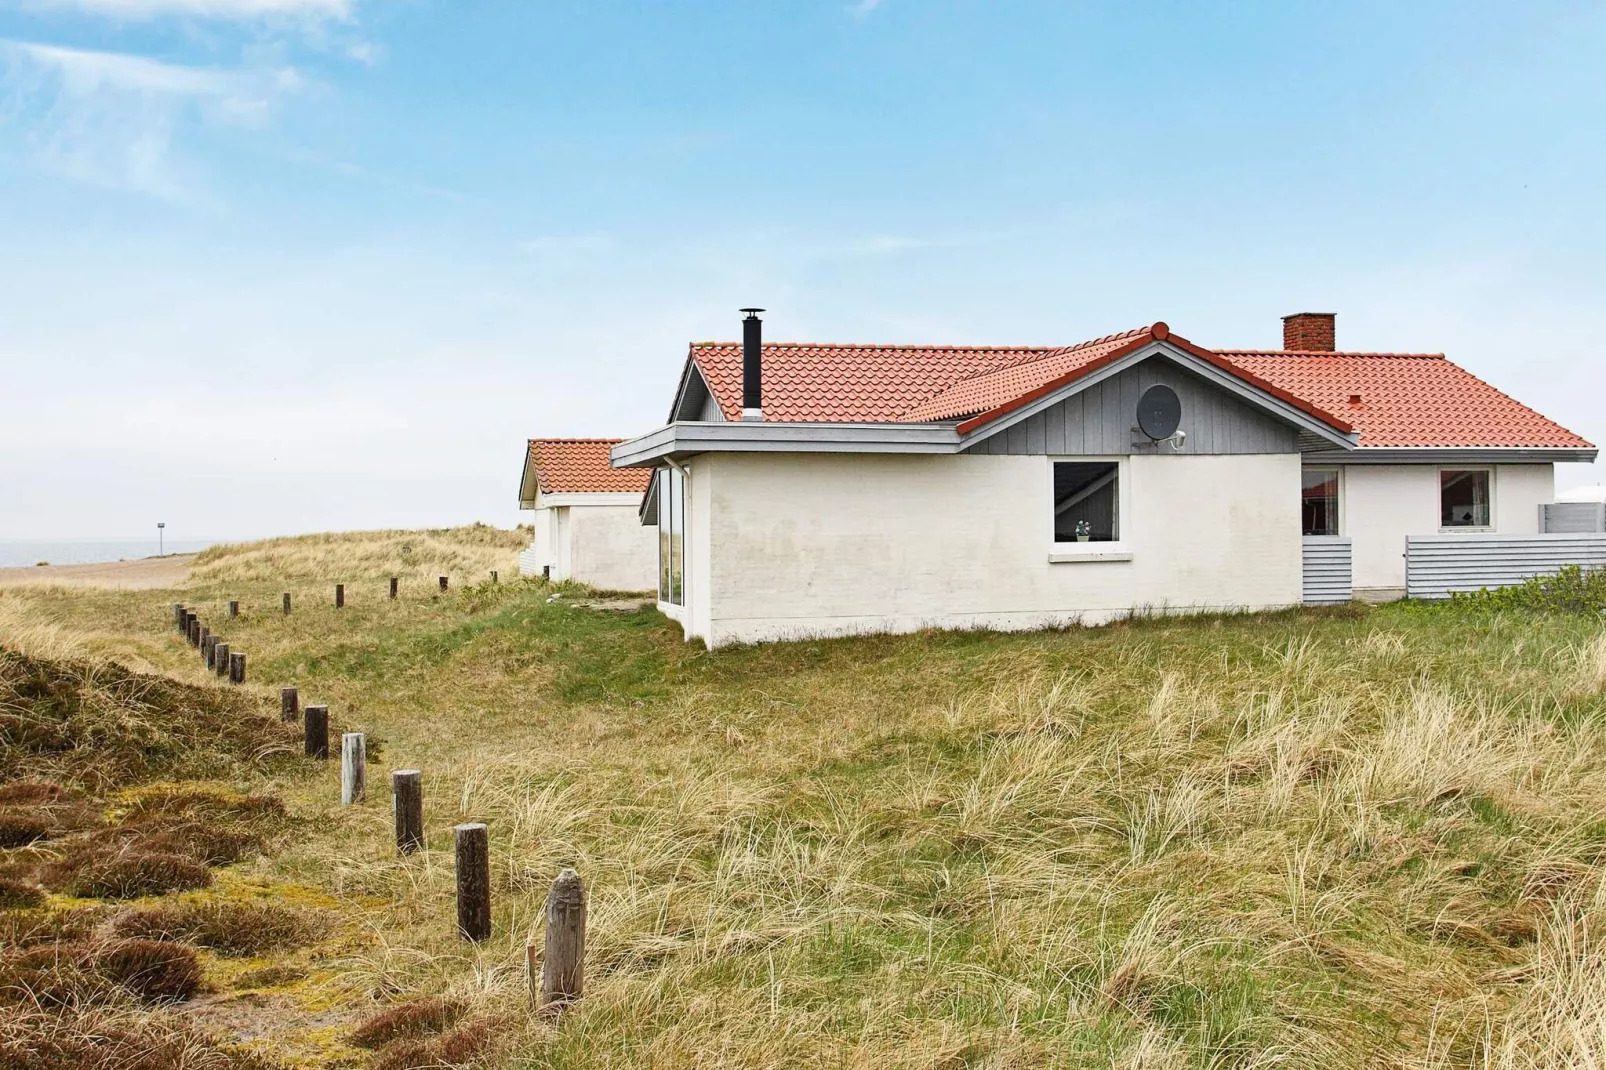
(212, 844)
(231, 928)
(52, 975)
(125, 874)
(415, 1018)
(20, 894)
(151, 969)
(18, 828)
(33, 791)
(462, 1045)
(26, 928)
(34, 1039)
(204, 802)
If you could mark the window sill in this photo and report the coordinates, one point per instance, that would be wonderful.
(1067, 553)
(1456, 529)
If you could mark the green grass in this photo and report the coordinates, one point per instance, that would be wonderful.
(1340, 838)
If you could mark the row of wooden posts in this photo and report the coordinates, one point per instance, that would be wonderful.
(216, 653)
(561, 976)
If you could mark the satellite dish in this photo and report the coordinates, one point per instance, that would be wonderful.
(1159, 412)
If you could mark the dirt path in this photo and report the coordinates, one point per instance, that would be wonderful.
(146, 574)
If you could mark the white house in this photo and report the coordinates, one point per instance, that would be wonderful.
(805, 490)
(587, 516)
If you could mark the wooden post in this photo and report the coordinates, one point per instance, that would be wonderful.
(234, 609)
(192, 628)
(408, 788)
(315, 731)
(443, 583)
(393, 588)
(563, 964)
(287, 603)
(494, 580)
(340, 595)
(209, 650)
(206, 641)
(178, 614)
(220, 658)
(353, 768)
(473, 882)
(289, 705)
(532, 971)
(236, 667)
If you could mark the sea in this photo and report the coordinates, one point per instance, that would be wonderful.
(20, 553)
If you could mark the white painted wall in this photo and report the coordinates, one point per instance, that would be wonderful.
(610, 549)
(602, 545)
(1380, 504)
(833, 544)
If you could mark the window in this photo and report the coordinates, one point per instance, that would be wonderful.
(1464, 498)
(1086, 501)
(1318, 501)
(671, 537)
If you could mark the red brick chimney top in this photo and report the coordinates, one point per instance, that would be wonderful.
(1310, 332)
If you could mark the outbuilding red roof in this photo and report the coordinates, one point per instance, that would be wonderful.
(1391, 399)
(580, 466)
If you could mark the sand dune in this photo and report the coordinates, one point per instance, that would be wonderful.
(146, 574)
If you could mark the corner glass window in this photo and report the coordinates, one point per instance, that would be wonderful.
(1464, 498)
(1086, 501)
(671, 537)
(1318, 501)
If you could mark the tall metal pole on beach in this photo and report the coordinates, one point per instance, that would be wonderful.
(159, 527)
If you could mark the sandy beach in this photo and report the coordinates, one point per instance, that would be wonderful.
(146, 574)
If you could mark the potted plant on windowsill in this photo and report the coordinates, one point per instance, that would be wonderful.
(1084, 531)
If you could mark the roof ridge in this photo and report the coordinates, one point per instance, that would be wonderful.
(1325, 353)
(895, 346)
(533, 441)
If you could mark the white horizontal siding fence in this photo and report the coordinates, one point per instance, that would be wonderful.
(1438, 565)
(529, 561)
(1327, 570)
(1572, 517)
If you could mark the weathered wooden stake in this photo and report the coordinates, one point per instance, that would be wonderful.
(287, 603)
(393, 588)
(315, 731)
(493, 576)
(208, 647)
(473, 882)
(234, 609)
(236, 667)
(206, 641)
(532, 971)
(353, 768)
(443, 583)
(289, 705)
(340, 595)
(178, 615)
(408, 788)
(563, 963)
(192, 629)
(220, 658)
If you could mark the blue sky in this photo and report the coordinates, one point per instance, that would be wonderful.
(292, 265)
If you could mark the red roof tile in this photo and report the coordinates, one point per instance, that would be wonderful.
(580, 466)
(1405, 399)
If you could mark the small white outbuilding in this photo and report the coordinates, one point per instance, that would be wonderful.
(586, 516)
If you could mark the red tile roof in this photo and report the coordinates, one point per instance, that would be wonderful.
(580, 466)
(1405, 399)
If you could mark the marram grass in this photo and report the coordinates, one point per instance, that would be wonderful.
(1314, 839)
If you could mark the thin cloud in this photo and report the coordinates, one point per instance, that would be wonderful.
(863, 8)
(215, 9)
(109, 119)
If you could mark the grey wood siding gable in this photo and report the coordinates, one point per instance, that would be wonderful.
(1100, 420)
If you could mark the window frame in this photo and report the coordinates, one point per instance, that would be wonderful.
(671, 510)
(1438, 506)
(1338, 499)
(1120, 549)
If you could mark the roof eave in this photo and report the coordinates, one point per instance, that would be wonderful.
(687, 437)
(1455, 455)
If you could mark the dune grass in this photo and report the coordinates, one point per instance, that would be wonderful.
(1352, 838)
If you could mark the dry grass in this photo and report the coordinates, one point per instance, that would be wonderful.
(1372, 838)
(466, 555)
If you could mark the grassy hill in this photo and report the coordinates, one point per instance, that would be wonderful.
(1350, 838)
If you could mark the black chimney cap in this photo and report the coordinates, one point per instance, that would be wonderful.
(752, 313)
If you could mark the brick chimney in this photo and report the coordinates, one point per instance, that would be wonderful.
(1312, 332)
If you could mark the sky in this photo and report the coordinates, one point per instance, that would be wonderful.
(275, 266)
